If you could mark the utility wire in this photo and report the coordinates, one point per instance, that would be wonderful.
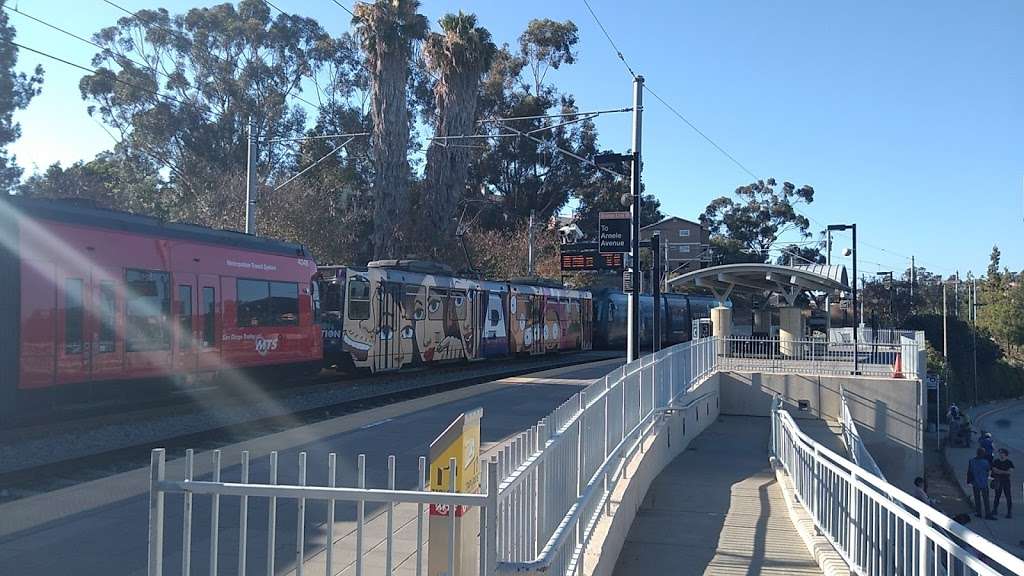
(700, 132)
(610, 41)
(345, 8)
(112, 76)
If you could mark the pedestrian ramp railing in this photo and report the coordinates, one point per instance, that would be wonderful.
(877, 528)
(903, 358)
(851, 437)
(540, 500)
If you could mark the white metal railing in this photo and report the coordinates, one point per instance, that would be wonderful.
(876, 527)
(267, 498)
(868, 335)
(819, 356)
(851, 437)
(560, 474)
(555, 479)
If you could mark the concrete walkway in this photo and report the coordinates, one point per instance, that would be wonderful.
(1006, 422)
(716, 509)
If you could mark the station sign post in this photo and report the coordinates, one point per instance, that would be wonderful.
(459, 443)
(615, 232)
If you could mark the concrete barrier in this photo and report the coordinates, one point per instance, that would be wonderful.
(674, 433)
(889, 412)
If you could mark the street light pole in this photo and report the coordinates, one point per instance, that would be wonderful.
(633, 309)
(856, 325)
(250, 181)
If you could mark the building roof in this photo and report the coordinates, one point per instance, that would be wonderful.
(789, 281)
(669, 219)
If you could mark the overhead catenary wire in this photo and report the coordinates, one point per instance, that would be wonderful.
(345, 8)
(311, 166)
(610, 41)
(113, 77)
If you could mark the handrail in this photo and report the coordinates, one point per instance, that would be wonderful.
(859, 453)
(935, 531)
(596, 431)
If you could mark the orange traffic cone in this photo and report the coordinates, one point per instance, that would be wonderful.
(897, 367)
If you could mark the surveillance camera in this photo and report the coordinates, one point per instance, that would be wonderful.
(626, 200)
(847, 252)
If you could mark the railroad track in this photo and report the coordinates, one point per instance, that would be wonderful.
(70, 469)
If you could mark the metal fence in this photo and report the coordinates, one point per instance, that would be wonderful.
(872, 335)
(851, 437)
(815, 357)
(555, 479)
(560, 474)
(876, 527)
(400, 518)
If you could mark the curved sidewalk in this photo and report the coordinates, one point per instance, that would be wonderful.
(717, 509)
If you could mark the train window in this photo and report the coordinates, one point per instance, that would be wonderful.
(358, 298)
(459, 303)
(108, 312)
(263, 303)
(435, 305)
(185, 317)
(284, 303)
(412, 303)
(73, 316)
(147, 306)
(209, 318)
(253, 302)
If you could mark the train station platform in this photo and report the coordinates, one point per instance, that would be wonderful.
(717, 509)
(98, 527)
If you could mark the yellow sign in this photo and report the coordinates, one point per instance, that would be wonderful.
(461, 441)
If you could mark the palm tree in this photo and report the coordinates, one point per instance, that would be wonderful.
(387, 30)
(458, 56)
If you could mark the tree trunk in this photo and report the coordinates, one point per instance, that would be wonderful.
(390, 142)
(448, 160)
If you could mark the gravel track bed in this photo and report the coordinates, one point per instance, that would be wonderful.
(40, 447)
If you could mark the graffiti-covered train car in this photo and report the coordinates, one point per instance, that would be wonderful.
(399, 313)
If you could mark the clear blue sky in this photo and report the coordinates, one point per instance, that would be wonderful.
(906, 117)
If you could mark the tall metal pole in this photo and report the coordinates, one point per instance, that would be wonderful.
(856, 325)
(529, 253)
(633, 310)
(656, 287)
(956, 296)
(828, 299)
(250, 182)
(945, 338)
(974, 335)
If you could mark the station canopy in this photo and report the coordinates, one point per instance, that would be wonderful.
(752, 278)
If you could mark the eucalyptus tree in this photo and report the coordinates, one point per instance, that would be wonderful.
(387, 30)
(457, 57)
(181, 88)
(16, 90)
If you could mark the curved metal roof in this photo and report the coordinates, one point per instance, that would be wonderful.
(767, 278)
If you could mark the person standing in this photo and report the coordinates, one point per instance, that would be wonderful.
(977, 476)
(986, 443)
(1001, 468)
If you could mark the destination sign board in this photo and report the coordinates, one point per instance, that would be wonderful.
(583, 256)
(614, 231)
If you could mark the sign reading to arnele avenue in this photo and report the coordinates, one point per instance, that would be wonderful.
(614, 231)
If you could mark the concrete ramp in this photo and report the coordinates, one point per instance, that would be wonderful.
(716, 509)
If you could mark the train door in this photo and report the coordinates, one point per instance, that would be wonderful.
(208, 317)
(388, 350)
(477, 321)
(537, 307)
(185, 341)
(107, 352)
(495, 340)
(587, 321)
(74, 352)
